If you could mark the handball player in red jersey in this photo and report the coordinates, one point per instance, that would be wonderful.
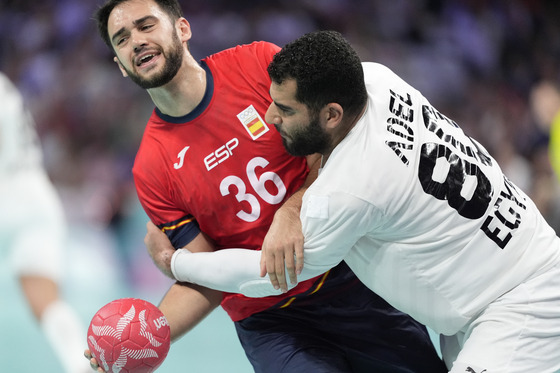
(212, 174)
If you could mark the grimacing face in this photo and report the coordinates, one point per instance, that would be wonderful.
(146, 43)
(300, 128)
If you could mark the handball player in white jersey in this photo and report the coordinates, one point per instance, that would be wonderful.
(211, 174)
(32, 230)
(419, 211)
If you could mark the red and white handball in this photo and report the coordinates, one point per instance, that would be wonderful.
(129, 335)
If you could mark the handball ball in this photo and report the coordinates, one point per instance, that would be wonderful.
(129, 335)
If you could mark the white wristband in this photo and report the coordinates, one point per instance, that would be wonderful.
(174, 260)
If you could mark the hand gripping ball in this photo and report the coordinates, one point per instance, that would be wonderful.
(129, 335)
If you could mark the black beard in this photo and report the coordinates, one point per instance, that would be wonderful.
(173, 63)
(309, 140)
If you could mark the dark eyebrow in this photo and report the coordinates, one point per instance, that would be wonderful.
(136, 23)
(282, 107)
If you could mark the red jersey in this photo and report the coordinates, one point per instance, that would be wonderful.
(221, 168)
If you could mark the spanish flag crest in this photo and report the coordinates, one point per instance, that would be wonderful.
(252, 122)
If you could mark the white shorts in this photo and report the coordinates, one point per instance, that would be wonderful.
(32, 226)
(518, 333)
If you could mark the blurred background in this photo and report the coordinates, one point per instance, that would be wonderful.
(477, 61)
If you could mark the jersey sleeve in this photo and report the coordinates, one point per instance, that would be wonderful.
(179, 226)
(332, 224)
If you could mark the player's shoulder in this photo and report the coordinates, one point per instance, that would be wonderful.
(379, 74)
(255, 52)
(254, 47)
(258, 47)
(374, 68)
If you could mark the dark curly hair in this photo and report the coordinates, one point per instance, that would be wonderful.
(326, 69)
(101, 16)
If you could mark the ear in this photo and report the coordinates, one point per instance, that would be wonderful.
(123, 71)
(332, 113)
(184, 29)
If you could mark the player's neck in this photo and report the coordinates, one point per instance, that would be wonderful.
(183, 93)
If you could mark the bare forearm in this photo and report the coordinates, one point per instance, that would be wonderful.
(185, 305)
(161, 250)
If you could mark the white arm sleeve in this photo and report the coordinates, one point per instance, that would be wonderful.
(331, 228)
(229, 270)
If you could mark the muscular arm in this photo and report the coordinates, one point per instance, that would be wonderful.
(231, 270)
(198, 269)
(219, 270)
(329, 235)
(185, 304)
(160, 248)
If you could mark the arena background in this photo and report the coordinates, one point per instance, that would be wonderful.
(477, 62)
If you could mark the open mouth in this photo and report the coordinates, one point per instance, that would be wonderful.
(146, 59)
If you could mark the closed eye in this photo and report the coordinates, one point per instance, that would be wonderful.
(121, 40)
(285, 110)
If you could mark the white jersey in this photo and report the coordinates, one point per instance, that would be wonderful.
(426, 219)
(424, 215)
(19, 146)
(420, 212)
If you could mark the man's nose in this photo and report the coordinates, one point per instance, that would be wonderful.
(271, 116)
(138, 41)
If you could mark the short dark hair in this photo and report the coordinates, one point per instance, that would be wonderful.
(326, 69)
(101, 16)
